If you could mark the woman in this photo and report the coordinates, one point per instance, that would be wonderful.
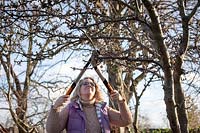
(86, 112)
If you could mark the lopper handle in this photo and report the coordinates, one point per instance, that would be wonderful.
(94, 61)
(108, 86)
(70, 89)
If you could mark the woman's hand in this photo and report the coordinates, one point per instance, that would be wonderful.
(115, 96)
(60, 101)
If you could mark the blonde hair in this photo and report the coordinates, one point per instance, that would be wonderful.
(76, 94)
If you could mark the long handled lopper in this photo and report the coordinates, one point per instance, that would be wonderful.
(94, 61)
(70, 89)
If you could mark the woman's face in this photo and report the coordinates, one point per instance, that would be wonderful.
(87, 90)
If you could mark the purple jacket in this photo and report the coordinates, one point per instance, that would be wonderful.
(76, 119)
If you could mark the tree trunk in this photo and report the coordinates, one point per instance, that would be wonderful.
(170, 106)
(21, 115)
(179, 96)
(135, 122)
(161, 48)
(169, 100)
(115, 79)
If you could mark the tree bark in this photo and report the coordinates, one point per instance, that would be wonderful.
(179, 97)
(165, 61)
(170, 104)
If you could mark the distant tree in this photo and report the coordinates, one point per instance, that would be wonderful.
(144, 122)
(28, 37)
(193, 113)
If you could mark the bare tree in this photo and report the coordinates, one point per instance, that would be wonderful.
(140, 36)
(28, 36)
(159, 40)
(173, 78)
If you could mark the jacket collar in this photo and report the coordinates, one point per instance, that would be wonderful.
(77, 104)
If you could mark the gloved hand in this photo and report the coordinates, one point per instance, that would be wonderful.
(115, 96)
(60, 101)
